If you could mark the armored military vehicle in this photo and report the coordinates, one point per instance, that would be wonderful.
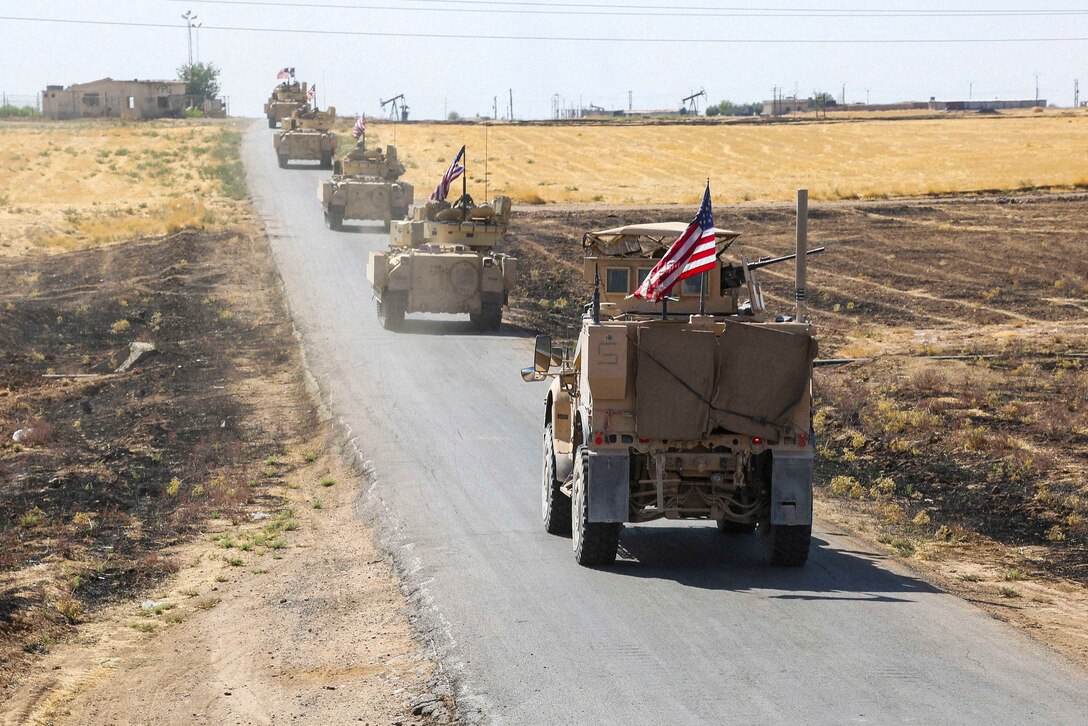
(697, 408)
(307, 136)
(443, 260)
(364, 186)
(286, 98)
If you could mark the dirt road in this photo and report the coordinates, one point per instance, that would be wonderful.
(683, 628)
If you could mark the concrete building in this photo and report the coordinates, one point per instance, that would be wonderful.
(106, 98)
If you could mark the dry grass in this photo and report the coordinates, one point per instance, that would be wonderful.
(661, 164)
(71, 185)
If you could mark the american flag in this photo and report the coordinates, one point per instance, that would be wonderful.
(693, 252)
(456, 169)
(312, 93)
(285, 74)
(360, 127)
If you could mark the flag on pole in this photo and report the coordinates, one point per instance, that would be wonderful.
(693, 252)
(312, 93)
(456, 169)
(360, 127)
(285, 74)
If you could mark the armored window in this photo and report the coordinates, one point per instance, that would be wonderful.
(616, 280)
(643, 272)
(90, 99)
(164, 102)
(692, 285)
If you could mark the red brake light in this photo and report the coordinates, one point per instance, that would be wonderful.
(802, 440)
(756, 441)
(598, 438)
(644, 441)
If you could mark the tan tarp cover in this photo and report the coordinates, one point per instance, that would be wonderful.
(762, 374)
(666, 408)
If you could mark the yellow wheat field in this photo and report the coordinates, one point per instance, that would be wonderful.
(661, 164)
(66, 185)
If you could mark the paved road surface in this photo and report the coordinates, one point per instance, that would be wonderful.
(689, 627)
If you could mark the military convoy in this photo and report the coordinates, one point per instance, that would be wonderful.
(443, 260)
(286, 98)
(307, 136)
(365, 186)
(698, 408)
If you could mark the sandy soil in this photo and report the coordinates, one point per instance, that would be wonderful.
(646, 164)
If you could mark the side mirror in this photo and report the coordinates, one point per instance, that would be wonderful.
(531, 375)
(543, 354)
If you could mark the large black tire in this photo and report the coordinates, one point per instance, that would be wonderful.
(399, 213)
(283, 161)
(326, 159)
(334, 218)
(391, 310)
(271, 122)
(595, 543)
(387, 224)
(555, 504)
(489, 317)
(786, 545)
(726, 526)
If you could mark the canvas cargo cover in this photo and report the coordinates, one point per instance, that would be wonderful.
(675, 382)
(762, 374)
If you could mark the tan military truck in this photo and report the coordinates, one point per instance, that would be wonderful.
(698, 408)
(364, 186)
(286, 98)
(443, 260)
(307, 136)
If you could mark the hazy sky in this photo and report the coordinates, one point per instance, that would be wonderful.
(451, 74)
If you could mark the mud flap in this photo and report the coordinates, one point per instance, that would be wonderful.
(791, 487)
(609, 486)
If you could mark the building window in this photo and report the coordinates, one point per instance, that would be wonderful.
(90, 99)
(164, 103)
(643, 273)
(616, 280)
(131, 102)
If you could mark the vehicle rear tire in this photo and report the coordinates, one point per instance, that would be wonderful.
(334, 218)
(326, 159)
(387, 224)
(271, 123)
(283, 161)
(727, 526)
(556, 504)
(595, 543)
(489, 317)
(391, 308)
(786, 545)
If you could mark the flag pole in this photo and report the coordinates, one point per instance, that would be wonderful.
(702, 276)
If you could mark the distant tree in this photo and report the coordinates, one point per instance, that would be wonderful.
(201, 79)
(729, 108)
(823, 99)
(453, 116)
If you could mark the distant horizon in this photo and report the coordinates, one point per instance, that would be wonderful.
(566, 55)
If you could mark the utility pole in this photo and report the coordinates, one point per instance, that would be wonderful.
(630, 101)
(844, 94)
(511, 104)
(1036, 88)
(1076, 93)
(188, 16)
(197, 28)
(866, 96)
(495, 107)
(970, 90)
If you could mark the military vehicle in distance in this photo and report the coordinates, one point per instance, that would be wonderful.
(307, 136)
(442, 260)
(695, 409)
(286, 98)
(364, 186)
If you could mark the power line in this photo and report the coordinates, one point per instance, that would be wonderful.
(557, 38)
(547, 8)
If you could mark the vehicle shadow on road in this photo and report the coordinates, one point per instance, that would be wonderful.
(704, 558)
(461, 327)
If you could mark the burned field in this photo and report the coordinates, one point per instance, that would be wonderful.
(111, 468)
(987, 449)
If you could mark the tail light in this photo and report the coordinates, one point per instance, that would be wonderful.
(598, 438)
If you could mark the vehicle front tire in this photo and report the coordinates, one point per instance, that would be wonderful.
(283, 161)
(271, 123)
(786, 545)
(595, 543)
(326, 159)
(556, 504)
